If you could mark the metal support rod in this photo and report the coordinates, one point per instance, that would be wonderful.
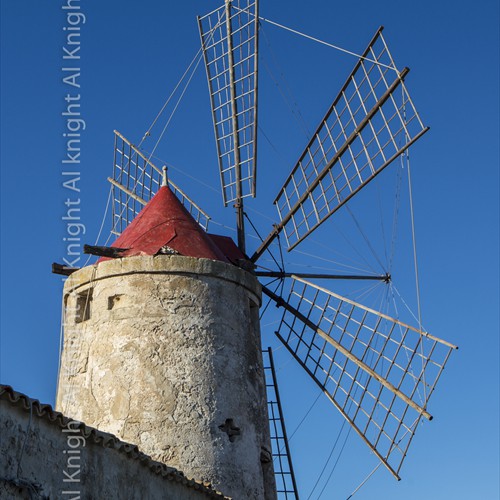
(282, 274)
(347, 353)
(240, 223)
(128, 192)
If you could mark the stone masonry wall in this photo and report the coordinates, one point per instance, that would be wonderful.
(47, 457)
(165, 353)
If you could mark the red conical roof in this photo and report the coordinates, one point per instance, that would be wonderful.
(165, 221)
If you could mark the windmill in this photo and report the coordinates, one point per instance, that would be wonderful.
(371, 375)
(377, 371)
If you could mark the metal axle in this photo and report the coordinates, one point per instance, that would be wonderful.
(281, 274)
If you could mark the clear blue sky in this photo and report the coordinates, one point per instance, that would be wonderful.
(133, 54)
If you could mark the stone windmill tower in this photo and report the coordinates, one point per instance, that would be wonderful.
(162, 342)
(162, 349)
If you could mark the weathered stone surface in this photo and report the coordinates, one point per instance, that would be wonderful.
(165, 352)
(46, 457)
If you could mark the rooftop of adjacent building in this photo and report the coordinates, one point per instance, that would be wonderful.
(23, 418)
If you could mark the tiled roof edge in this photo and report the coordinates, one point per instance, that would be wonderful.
(106, 440)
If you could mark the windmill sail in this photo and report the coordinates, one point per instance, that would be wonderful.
(283, 470)
(135, 181)
(229, 37)
(377, 371)
(370, 123)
